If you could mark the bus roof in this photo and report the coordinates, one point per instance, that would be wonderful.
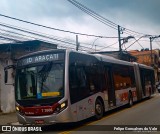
(110, 59)
(105, 58)
(145, 66)
(100, 57)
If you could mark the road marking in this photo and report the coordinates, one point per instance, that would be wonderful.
(108, 116)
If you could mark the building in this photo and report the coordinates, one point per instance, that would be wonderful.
(144, 57)
(9, 53)
(158, 66)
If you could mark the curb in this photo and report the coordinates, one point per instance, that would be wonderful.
(14, 123)
(1, 113)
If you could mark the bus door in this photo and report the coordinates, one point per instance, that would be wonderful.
(79, 92)
(143, 82)
(110, 87)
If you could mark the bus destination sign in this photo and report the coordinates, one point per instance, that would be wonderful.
(41, 58)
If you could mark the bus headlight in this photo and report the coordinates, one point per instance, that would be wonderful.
(17, 108)
(61, 107)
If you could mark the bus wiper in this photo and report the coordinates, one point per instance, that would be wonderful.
(26, 97)
(43, 73)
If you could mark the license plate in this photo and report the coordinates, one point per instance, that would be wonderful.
(39, 121)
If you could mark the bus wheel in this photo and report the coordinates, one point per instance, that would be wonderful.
(130, 103)
(98, 109)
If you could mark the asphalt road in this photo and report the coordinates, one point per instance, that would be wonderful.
(143, 116)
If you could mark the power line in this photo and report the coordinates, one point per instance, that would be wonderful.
(140, 44)
(134, 42)
(14, 38)
(54, 28)
(10, 39)
(9, 31)
(33, 33)
(108, 46)
(157, 42)
(30, 37)
(17, 38)
(93, 14)
(101, 18)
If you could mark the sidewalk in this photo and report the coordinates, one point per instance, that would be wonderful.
(8, 118)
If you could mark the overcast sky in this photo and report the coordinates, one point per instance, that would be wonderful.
(138, 15)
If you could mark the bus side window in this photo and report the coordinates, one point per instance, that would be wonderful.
(83, 90)
(73, 84)
(72, 77)
(78, 83)
(81, 77)
(123, 77)
(94, 77)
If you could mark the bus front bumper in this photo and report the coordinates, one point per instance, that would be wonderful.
(44, 120)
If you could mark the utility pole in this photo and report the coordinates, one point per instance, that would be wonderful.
(119, 39)
(120, 31)
(151, 39)
(77, 43)
(125, 40)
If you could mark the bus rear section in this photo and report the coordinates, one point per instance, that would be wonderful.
(145, 80)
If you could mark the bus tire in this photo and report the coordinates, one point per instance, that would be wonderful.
(99, 109)
(130, 100)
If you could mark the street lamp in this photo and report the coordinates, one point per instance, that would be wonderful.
(125, 40)
(94, 42)
(120, 31)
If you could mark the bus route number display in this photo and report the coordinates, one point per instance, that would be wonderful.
(41, 58)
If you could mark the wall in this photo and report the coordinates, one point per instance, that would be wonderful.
(7, 91)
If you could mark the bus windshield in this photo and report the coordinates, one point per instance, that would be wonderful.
(40, 82)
